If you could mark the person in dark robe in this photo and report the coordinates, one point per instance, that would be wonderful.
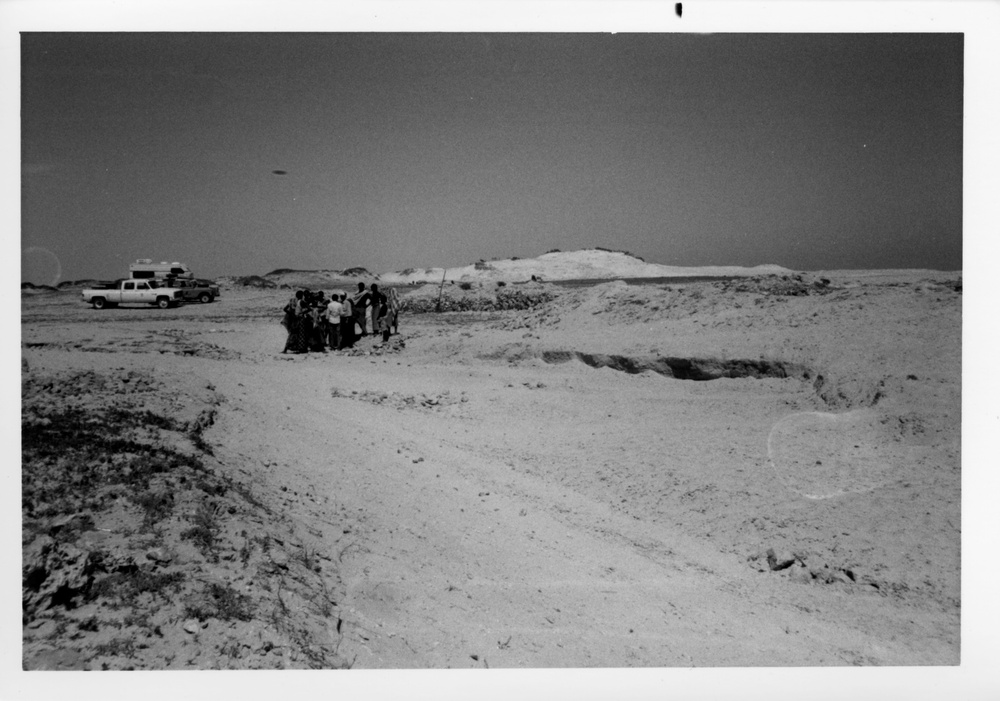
(294, 323)
(360, 302)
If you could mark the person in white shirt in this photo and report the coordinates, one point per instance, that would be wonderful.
(346, 321)
(333, 311)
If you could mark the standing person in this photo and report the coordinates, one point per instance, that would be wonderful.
(382, 318)
(377, 301)
(360, 302)
(304, 335)
(316, 341)
(346, 321)
(288, 321)
(333, 311)
(294, 322)
(320, 304)
(393, 301)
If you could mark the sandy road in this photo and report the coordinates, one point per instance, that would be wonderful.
(472, 550)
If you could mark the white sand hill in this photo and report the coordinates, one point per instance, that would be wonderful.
(570, 265)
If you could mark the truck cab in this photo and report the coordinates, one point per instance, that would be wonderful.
(135, 292)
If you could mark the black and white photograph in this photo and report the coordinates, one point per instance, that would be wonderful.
(627, 345)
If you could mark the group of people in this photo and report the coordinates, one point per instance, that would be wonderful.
(316, 322)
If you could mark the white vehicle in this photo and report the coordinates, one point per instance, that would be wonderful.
(146, 269)
(132, 292)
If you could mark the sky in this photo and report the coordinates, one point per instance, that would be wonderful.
(429, 149)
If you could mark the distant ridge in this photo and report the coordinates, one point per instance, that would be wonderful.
(349, 272)
(587, 264)
(311, 279)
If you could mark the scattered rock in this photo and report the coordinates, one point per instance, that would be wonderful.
(829, 575)
(46, 628)
(77, 522)
(757, 560)
(192, 626)
(159, 555)
(776, 563)
(799, 573)
(279, 558)
(837, 577)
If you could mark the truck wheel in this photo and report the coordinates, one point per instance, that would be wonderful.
(99, 302)
(163, 302)
(205, 298)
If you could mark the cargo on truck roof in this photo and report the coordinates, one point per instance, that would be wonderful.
(145, 269)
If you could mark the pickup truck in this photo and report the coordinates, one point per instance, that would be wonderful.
(132, 292)
(200, 290)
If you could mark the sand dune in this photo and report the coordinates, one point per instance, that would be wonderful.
(570, 265)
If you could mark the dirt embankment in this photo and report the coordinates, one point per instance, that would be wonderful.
(140, 550)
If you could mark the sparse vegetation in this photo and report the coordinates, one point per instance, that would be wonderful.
(221, 602)
(84, 458)
(204, 531)
(124, 586)
(122, 517)
(246, 551)
(156, 506)
(118, 647)
(503, 299)
(199, 441)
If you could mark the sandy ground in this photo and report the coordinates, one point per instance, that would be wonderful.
(540, 489)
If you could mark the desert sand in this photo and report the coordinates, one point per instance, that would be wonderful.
(759, 471)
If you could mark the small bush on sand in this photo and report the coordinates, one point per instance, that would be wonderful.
(222, 602)
(156, 506)
(118, 647)
(125, 586)
(203, 534)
